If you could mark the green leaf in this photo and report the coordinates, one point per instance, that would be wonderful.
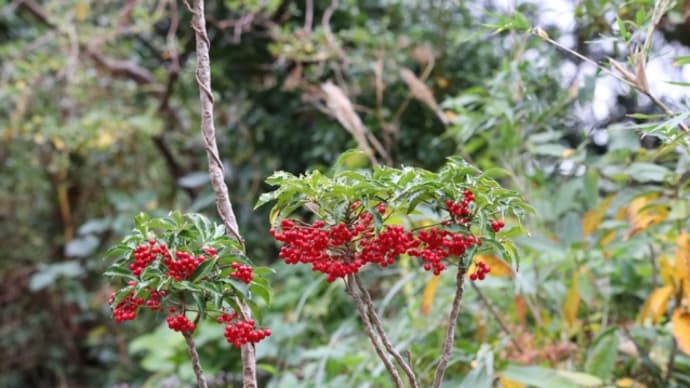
(647, 172)
(602, 356)
(116, 271)
(581, 379)
(203, 269)
(621, 28)
(118, 252)
(263, 292)
(237, 285)
(538, 377)
(263, 271)
(681, 61)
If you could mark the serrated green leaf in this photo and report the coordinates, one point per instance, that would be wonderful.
(262, 291)
(203, 269)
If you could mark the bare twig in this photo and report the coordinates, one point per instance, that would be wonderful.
(361, 308)
(308, 16)
(326, 23)
(407, 368)
(671, 361)
(196, 364)
(452, 322)
(637, 81)
(215, 166)
(497, 317)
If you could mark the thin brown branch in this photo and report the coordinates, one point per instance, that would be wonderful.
(452, 322)
(36, 11)
(626, 76)
(361, 308)
(208, 129)
(308, 16)
(196, 364)
(326, 23)
(497, 317)
(215, 166)
(407, 368)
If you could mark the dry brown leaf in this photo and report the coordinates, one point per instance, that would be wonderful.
(681, 329)
(422, 93)
(341, 108)
(521, 309)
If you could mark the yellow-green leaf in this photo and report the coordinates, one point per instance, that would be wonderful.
(498, 267)
(571, 303)
(429, 293)
(656, 304)
(681, 329)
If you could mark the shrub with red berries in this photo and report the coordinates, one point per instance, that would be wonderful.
(168, 262)
(374, 218)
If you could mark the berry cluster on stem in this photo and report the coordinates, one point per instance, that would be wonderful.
(480, 272)
(242, 272)
(180, 265)
(343, 248)
(240, 331)
(180, 323)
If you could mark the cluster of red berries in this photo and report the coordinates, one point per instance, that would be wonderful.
(342, 249)
(480, 272)
(439, 244)
(180, 323)
(154, 302)
(497, 225)
(226, 318)
(126, 309)
(184, 266)
(145, 254)
(242, 272)
(460, 211)
(242, 332)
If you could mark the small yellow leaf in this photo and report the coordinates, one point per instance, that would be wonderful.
(681, 329)
(442, 83)
(568, 152)
(571, 303)
(480, 329)
(627, 382)
(590, 222)
(507, 383)
(105, 140)
(81, 11)
(682, 257)
(642, 215)
(429, 293)
(656, 304)
(608, 237)
(497, 266)
(593, 218)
